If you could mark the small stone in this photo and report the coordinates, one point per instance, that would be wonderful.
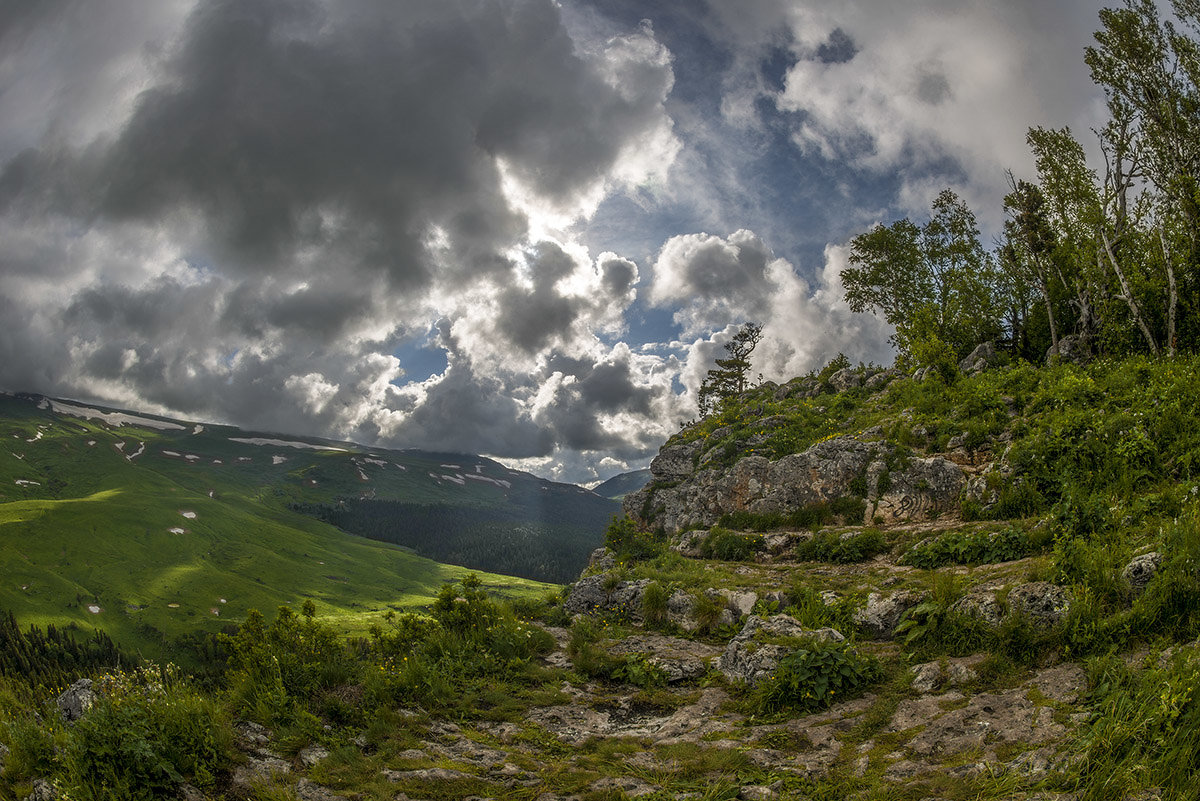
(757, 792)
(927, 677)
(310, 755)
(1139, 572)
(1044, 603)
(76, 700)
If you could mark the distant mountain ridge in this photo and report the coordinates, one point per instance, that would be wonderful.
(621, 485)
(152, 520)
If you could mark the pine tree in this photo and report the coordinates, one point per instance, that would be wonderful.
(731, 375)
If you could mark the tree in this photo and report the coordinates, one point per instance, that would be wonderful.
(931, 283)
(731, 375)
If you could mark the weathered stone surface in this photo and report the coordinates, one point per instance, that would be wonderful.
(675, 462)
(1073, 349)
(681, 610)
(931, 676)
(628, 786)
(576, 723)
(983, 357)
(426, 775)
(1044, 603)
(927, 677)
(879, 618)
(981, 605)
(926, 489)
(76, 700)
(740, 602)
(309, 791)
(310, 755)
(748, 660)
(1141, 570)
(881, 379)
(589, 596)
(679, 659)
(42, 791)
(757, 792)
(600, 560)
(846, 378)
(259, 769)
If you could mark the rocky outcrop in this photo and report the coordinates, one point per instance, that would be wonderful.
(983, 357)
(76, 700)
(835, 468)
(600, 594)
(678, 659)
(880, 617)
(749, 659)
(1043, 603)
(1141, 571)
(1072, 349)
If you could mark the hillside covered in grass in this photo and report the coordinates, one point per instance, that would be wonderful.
(149, 528)
(1031, 635)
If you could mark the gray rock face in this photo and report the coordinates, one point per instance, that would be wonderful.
(601, 559)
(678, 659)
(1044, 603)
(308, 791)
(750, 661)
(1141, 570)
(844, 379)
(1073, 349)
(879, 618)
(980, 359)
(881, 379)
(675, 462)
(982, 606)
(76, 700)
(589, 596)
(925, 489)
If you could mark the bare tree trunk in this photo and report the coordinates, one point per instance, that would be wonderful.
(1172, 294)
(1045, 287)
(1127, 294)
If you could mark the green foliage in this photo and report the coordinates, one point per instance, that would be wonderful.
(1144, 730)
(976, 547)
(848, 510)
(814, 676)
(832, 546)
(731, 376)
(934, 627)
(721, 543)
(654, 605)
(806, 605)
(628, 542)
(146, 733)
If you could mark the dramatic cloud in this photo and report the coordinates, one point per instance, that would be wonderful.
(517, 227)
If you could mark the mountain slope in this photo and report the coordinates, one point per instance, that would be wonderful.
(147, 526)
(621, 485)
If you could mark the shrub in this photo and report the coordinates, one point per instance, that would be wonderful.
(934, 627)
(830, 546)
(628, 542)
(146, 733)
(721, 543)
(969, 548)
(654, 605)
(814, 676)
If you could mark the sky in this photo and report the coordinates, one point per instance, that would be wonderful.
(520, 228)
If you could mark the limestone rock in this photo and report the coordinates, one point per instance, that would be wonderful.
(1139, 572)
(846, 378)
(675, 462)
(76, 700)
(924, 490)
(589, 596)
(310, 755)
(259, 769)
(679, 659)
(309, 791)
(1072, 349)
(927, 677)
(42, 791)
(881, 379)
(740, 602)
(426, 774)
(626, 786)
(981, 605)
(980, 359)
(1044, 603)
(601, 559)
(879, 618)
(748, 660)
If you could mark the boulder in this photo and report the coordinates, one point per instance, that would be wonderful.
(1073, 349)
(983, 357)
(1139, 572)
(675, 462)
(76, 700)
(926, 489)
(593, 595)
(740, 602)
(600, 560)
(879, 618)
(311, 754)
(746, 659)
(980, 605)
(1044, 603)
(677, 658)
(881, 379)
(42, 791)
(846, 378)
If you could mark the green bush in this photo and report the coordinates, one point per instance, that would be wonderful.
(721, 543)
(969, 548)
(628, 542)
(830, 546)
(933, 627)
(815, 676)
(146, 733)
